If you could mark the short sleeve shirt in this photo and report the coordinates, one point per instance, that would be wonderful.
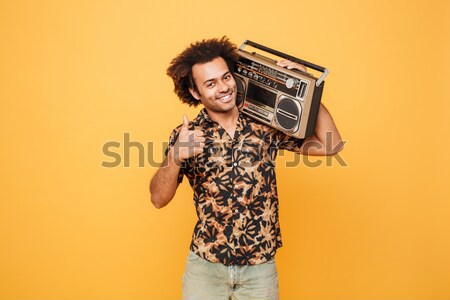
(235, 190)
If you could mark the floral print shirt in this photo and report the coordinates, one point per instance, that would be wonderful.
(235, 190)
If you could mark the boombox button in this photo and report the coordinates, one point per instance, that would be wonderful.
(289, 83)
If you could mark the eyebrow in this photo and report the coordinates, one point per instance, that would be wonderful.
(213, 79)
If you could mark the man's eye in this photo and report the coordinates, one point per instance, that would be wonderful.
(210, 84)
(227, 76)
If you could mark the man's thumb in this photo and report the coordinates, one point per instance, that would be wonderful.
(185, 122)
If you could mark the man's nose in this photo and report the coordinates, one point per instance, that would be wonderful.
(223, 87)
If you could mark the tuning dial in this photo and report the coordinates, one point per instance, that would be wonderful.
(289, 83)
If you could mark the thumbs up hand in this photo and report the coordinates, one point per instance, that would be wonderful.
(189, 143)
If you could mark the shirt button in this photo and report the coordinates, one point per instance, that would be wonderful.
(235, 164)
(235, 186)
(219, 126)
(236, 211)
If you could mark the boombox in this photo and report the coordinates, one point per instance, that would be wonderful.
(287, 100)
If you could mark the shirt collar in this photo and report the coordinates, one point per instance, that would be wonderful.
(203, 117)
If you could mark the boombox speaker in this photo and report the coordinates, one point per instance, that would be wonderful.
(287, 100)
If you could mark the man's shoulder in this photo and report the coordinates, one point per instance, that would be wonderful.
(176, 130)
(197, 121)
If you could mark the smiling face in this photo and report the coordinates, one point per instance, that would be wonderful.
(216, 88)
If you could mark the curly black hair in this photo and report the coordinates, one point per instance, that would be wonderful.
(180, 69)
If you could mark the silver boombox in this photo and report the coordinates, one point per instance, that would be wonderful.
(287, 100)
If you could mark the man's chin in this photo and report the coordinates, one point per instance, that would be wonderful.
(226, 107)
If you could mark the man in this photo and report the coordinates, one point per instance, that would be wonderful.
(229, 160)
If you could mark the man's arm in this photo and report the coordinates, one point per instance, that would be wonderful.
(164, 183)
(326, 139)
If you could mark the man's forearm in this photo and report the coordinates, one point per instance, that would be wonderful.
(325, 124)
(326, 139)
(165, 182)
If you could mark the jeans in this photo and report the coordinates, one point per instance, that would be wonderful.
(203, 280)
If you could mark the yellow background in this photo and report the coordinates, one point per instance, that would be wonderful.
(77, 74)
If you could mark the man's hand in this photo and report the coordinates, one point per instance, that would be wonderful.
(291, 65)
(189, 143)
(165, 182)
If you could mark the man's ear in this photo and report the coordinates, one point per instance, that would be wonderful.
(194, 93)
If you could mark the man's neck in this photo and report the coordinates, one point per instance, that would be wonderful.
(227, 119)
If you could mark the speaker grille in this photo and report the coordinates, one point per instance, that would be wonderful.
(288, 114)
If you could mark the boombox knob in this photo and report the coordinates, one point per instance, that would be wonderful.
(289, 83)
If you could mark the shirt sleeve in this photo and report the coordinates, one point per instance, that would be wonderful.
(172, 140)
(288, 142)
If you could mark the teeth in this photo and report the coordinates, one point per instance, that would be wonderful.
(225, 98)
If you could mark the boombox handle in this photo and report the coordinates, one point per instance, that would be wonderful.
(289, 57)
